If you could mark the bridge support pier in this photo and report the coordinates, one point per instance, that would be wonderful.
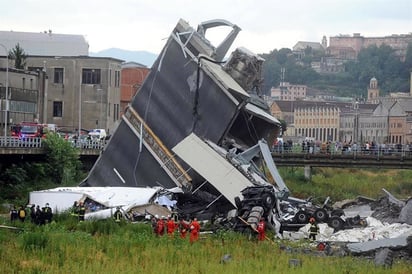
(308, 172)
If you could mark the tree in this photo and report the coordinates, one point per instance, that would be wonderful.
(19, 56)
(62, 159)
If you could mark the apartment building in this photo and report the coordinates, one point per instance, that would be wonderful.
(80, 91)
(21, 102)
(132, 78)
(287, 91)
(73, 90)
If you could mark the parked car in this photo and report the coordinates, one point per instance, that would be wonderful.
(98, 133)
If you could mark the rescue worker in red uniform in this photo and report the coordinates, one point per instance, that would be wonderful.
(183, 228)
(194, 231)
(160, 227)
(261, 229)
(171, 226)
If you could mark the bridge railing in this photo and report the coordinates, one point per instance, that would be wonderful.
(14, 142)
(402, 151)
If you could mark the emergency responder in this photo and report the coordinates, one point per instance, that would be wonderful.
(154, 223)
(81, 212)
(161, 226)
(183, 228)
(117, 215)
(22, 213)
(47, 213)
(313, 229)
(261, 229)
(33, 214)
(194, 230)
(39, 216)
(74, 210)
(171, 226)
(13, 214)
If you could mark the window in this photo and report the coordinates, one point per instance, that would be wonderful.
(117, 78)
(91, 76)
(57, 109)
(37, 69)
(58, 76)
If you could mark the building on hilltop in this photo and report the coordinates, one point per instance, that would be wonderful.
(287, 91)
(399, 42)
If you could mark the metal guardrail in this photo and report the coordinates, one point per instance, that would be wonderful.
(401, 152)
(390, 159)
(13, 142)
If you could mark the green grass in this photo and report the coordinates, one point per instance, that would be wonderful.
(342, 184)
(66, 246)
(132, 248)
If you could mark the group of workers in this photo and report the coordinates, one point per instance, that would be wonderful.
(169, 226)
(38, 216)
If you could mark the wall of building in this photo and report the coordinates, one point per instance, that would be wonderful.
(24, 91)
(131, 80)
(73, 98)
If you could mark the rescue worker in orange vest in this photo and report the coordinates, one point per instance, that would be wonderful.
(194, 230)
(161, 226)
(171, 226)
(313, 229)
(261, 229)
(183, 227)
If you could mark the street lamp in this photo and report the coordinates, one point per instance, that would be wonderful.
(80, 104)
(7, 90)
(100, 90)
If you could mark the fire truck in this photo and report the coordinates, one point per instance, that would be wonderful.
(26, 130)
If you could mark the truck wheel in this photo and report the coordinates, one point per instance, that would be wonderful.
(321, 215)
(336, 223)
(268, 200)
(302, 217)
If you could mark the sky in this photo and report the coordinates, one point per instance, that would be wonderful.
(266, 25)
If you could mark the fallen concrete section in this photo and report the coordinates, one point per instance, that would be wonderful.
(392, 243)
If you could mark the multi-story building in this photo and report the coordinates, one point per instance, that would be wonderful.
(81, 91)
(331, 121)
(77, 91)
(132, 78)
(287, 91)
(343, 48)
(400, 122)
(318, 120)
(354, 44)
(24, 89)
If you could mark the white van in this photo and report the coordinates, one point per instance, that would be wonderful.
(98, 133)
